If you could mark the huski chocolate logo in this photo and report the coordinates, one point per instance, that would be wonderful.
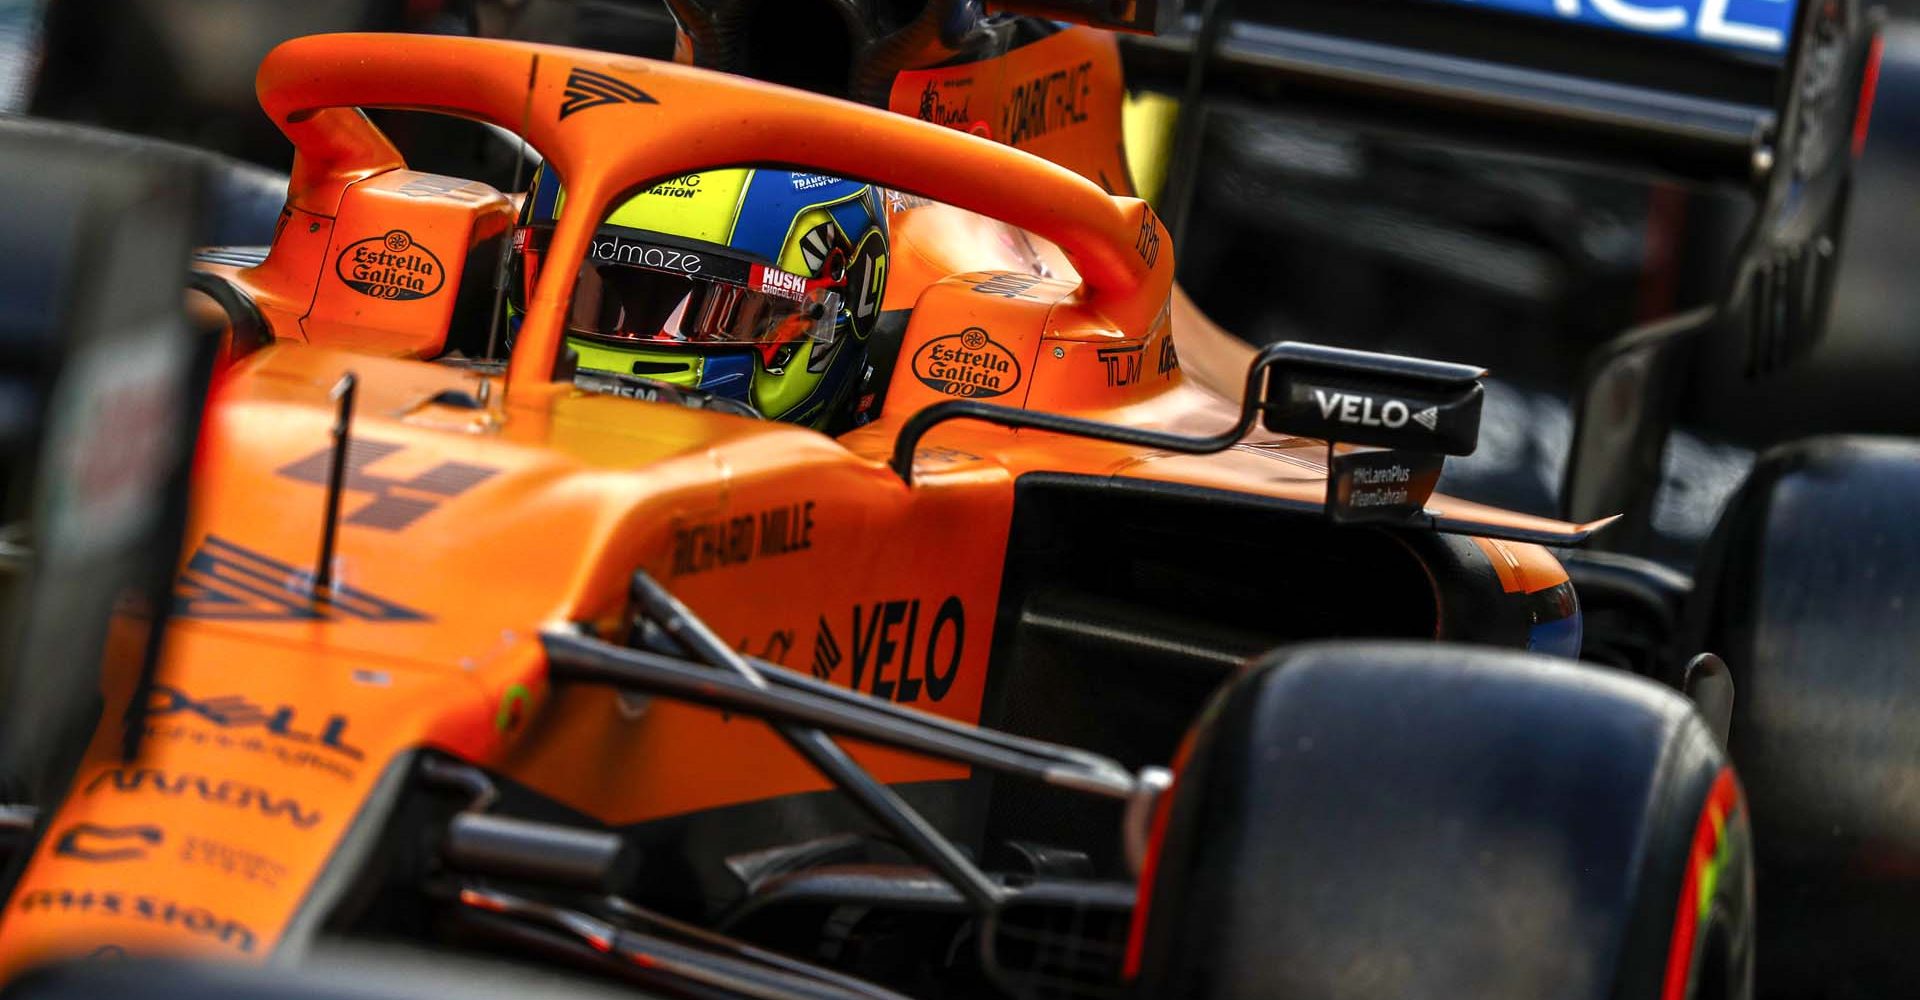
(390, 267)
(968, 364)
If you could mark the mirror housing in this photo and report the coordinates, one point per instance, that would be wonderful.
(1406, 414)
(1381, 400)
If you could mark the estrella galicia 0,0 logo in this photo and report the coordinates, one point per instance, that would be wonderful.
(391, 266)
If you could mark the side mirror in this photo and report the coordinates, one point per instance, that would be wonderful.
(1406, 414)
(1382, 400)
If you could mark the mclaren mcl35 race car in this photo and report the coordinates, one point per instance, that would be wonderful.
(1063, 647)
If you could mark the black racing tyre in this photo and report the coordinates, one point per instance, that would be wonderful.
(95, 238)
(1811, 593)
(1400, 820)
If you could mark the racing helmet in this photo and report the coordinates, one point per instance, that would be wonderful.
(756, 285)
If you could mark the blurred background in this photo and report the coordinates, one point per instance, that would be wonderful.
(1295, 227)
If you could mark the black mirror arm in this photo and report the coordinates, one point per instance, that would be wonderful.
(1281, 357)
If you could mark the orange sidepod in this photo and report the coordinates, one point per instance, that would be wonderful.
(1522, 569)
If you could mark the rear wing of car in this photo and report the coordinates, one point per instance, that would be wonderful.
(1768, 98)
(1704, 89)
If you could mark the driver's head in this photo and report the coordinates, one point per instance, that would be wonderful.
(757, 285)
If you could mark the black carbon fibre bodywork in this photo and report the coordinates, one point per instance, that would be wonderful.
(1126, 603)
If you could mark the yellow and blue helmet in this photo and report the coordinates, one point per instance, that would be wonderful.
(757, 285)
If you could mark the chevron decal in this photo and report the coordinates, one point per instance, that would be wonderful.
(587, 89)
(224, 581)
(815, 245)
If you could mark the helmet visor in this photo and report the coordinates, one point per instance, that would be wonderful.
(635, 290)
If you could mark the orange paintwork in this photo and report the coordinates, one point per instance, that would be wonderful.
(465, 530)
(436, 222)
(1057, 97)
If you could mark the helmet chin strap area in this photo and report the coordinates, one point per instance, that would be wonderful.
(640, 387)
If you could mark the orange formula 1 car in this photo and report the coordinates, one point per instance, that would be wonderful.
(731, 707)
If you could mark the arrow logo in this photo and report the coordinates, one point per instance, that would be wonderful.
(587, 89)
(1428, 418)
(226, 581)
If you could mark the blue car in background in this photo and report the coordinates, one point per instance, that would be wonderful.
(1760, 26)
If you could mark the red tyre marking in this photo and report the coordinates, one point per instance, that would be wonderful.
(1137, 929)
(1137, 933)
(1863, 110)
(1723, 801)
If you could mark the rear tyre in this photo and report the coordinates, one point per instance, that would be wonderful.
(1420, 820)
(1811, 592)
